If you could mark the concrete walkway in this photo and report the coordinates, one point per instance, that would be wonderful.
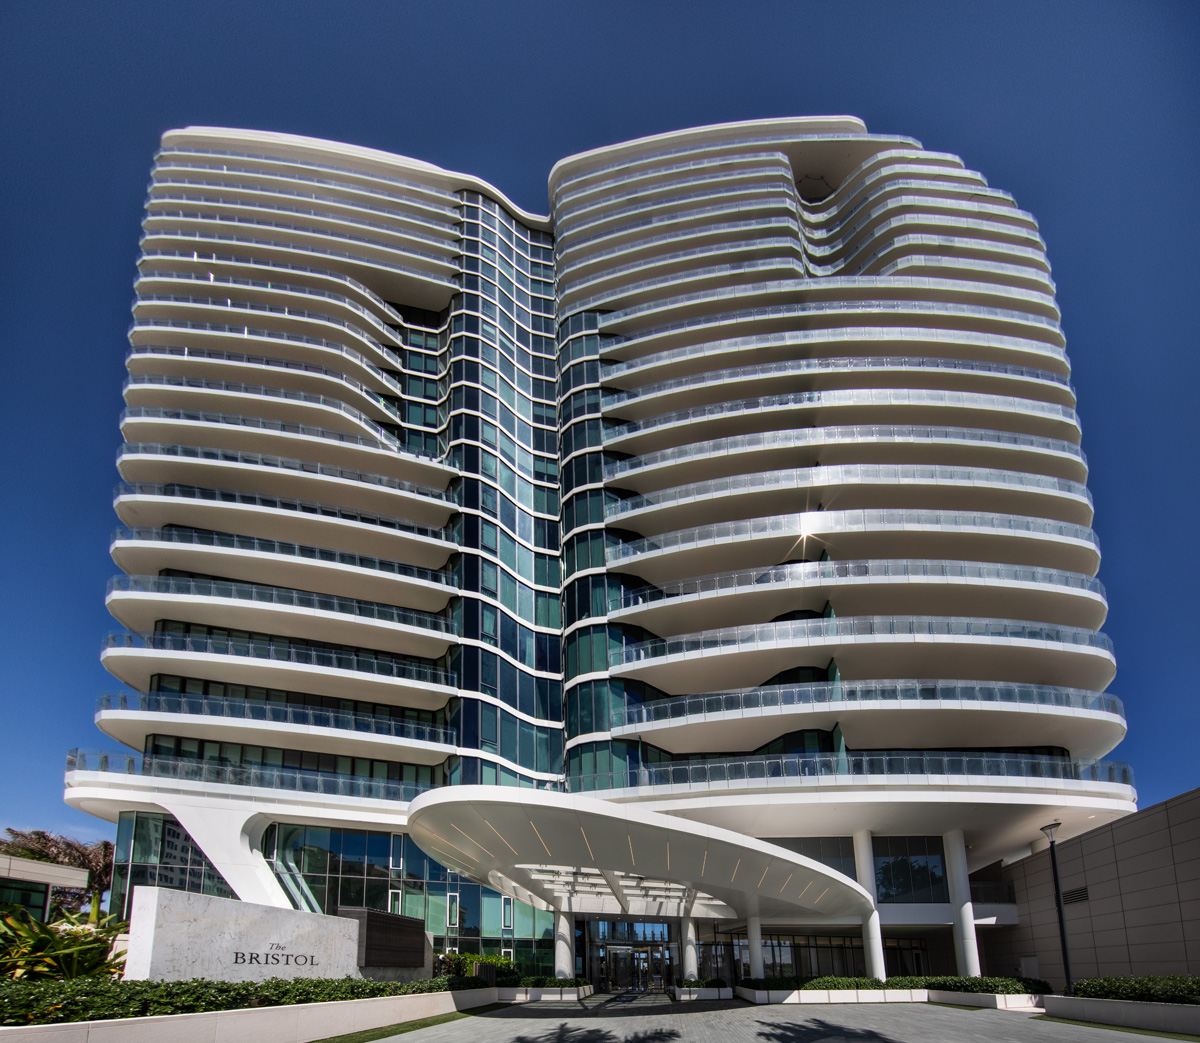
(657, 1019)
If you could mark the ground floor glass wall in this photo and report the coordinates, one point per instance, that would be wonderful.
(322, 869)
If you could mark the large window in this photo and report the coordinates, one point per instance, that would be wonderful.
(910, 870)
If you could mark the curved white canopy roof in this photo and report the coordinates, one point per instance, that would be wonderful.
(582, 855)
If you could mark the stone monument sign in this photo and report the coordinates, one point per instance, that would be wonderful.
(176, 935)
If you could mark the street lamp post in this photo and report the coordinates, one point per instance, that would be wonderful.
(1050, 830)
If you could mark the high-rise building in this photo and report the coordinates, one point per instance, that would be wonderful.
(696, 579)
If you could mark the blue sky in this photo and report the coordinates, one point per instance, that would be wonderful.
(1086, 111)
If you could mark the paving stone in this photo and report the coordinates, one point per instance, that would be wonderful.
(658, 1019)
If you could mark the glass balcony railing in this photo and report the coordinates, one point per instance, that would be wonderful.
(233, 456)
(750, 638)
(811, 769)
(200, 416)
(846, 397)
(827, 522)
(773, 698)
(887, 475)
(819, 573)
(258, 545)
(279, 713)
(796, 367)
(445, 278)
(216, 773)
(323, 510)
(834, 308)
(280, 266)
(849, 434)
(738, 346)
(375, 664)
(282, 597)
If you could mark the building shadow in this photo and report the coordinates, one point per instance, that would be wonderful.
(564, 1033)
(814, 1029)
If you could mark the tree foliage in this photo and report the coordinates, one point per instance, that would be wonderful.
(40, 846)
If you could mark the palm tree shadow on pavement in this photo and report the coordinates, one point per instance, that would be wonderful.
(817, 1029)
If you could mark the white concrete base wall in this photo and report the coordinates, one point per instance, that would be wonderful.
(991, 1000)
(1158, 1017)
(834, 995)
(685, 995)
(299, 1023)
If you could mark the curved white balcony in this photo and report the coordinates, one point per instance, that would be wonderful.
(137, 602)
(852, 535)
(835, 446)
(378, 455)
(344, 298)
(827, 374)
(907, 714)
(370, 677)
(873, 646)
(895, 771)
(279, 476)
(131, 717)
(851, 487)
(270, 403)
(629, 368)
(256, 560)
(843, 408)
(426, 288)
(155, 505)
(211, 778)
(960, 588)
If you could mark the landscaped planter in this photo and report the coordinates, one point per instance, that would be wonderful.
(516, 995)
(996, 1000)
(835, 995)
(685, 995)
(1133, 1014)
(297, 1023)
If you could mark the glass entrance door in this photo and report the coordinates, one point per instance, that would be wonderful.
(637, 968)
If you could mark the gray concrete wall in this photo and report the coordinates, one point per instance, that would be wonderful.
(1142, 913)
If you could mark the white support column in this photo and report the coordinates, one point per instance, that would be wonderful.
(864, 868)
(687, 938)
(966, 945)
(564, 944)
(754, 944)
(223, 833)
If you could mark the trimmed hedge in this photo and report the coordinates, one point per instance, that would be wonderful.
(1170, 988)
(548, 981)
(700, 983)
(95, 999)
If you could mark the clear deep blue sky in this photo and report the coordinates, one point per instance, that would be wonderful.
(1086, 111)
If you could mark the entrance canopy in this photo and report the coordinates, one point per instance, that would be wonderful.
(577, 854)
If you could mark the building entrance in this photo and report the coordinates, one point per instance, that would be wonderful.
(636, 968)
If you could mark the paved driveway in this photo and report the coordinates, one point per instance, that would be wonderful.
(656, 1019)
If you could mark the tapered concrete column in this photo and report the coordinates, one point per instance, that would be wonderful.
(966, 945)
(754, 944)
(564, 944)
(691, 955)
(872, 935)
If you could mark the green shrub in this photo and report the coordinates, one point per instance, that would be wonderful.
(70, 947)
(549, 981)
(771, 984)
(98, 999)
(700, 983)
(830, 981)
(1171, 988)
(954, 983)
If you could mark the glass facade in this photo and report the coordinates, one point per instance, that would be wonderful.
(30, 896)
(324, 869)
(155, 850)
(910, 870)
